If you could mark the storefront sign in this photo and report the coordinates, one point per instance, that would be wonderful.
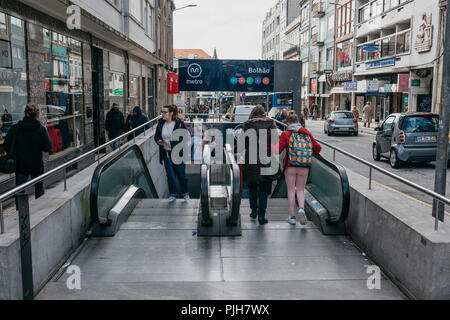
(403, 82)
(351, 86)
(59, 51)
(372, 86)
(172, 83)
(390, 88)
(313, 85)
(341, 76)
(415, 83)
(370, 47)
(381, 63)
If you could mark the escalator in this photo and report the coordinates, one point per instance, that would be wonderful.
(120, 184)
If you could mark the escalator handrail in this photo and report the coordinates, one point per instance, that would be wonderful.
(95, 182)
(235, 185)
(340, 170)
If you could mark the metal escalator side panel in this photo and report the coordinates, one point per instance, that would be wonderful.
(235, 196)
(204, 197)
(330, 186)
(113, 177)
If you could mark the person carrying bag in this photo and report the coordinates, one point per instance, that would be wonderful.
(8, 161)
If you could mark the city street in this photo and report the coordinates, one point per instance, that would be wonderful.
(361, 146)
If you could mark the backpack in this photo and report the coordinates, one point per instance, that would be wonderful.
(300, 150)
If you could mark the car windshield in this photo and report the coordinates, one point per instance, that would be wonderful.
(421, 124)
(343, 115)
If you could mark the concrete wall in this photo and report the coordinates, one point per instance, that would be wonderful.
(59, 222)
(397, 233)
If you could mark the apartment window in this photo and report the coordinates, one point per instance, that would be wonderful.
(344, 54)
(388, 46)
(150, 20)
(403, 42)
(345, 19)
(136, 9)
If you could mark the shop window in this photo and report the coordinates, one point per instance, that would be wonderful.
(403, 42)
(13, 74)
(64, 90)
(116, 89)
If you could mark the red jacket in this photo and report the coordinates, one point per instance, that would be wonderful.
(283, 143)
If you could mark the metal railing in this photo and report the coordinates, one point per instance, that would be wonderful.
(72, 162)
(436, 196)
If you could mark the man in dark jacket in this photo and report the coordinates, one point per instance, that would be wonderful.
(114, 124)
(31, 140)
(136, 120)
(259, 185)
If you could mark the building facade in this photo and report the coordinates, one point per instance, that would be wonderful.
(76, 61)
(272, 31)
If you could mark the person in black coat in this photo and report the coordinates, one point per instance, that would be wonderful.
(114, 124)
(31, 140)
(169, 123)
(259, 185)
(135, 120)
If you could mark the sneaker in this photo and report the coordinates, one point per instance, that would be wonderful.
(186, 197)
(292, 220)
(172, 199)
(302, 216)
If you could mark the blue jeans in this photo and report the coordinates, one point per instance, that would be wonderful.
(174, 171)
(259, 192)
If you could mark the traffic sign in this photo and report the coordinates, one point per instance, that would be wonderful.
(243, 95)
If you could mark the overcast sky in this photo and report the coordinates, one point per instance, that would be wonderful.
(233, 27)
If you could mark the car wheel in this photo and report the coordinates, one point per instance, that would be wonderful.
(394, 160)
(355, 133)
(329, 133)
(376, 155)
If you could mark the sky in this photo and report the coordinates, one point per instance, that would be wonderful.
(233, 27)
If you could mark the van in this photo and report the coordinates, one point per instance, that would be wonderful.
(241, 112)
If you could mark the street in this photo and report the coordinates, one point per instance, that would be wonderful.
(361, 146)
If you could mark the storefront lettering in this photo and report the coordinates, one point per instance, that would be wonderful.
(381, 63)
(341, 76)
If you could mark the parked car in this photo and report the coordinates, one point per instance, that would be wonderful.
(341, 122)
(407, 137)
(241, 113)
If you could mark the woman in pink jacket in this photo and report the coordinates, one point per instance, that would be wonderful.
(300, 145)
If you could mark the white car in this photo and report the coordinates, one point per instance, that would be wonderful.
(241, 112)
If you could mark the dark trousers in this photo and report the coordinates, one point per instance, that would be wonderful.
(259, 192)
(174, 171)
(22, 177)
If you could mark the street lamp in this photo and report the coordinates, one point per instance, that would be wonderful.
(188, 6)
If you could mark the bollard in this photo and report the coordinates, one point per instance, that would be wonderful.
(370, 178)
(25, 246)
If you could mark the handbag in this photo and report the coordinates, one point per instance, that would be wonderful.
(8, 162)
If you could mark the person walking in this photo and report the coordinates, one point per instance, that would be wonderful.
(355, 112)
(305, 112)
(135, 120)
(300, 146)
(367, 111)
(114, 125)
(27, 140)
(259, 185)
(170, 122)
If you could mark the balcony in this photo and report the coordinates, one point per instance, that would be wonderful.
(291, 51)
(315, 40)
(318, 10)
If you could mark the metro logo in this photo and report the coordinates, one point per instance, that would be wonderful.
(194, 70)
(266, 81)
(241, 80)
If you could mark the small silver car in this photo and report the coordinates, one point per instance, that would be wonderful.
(341, 122)
(407, 137)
